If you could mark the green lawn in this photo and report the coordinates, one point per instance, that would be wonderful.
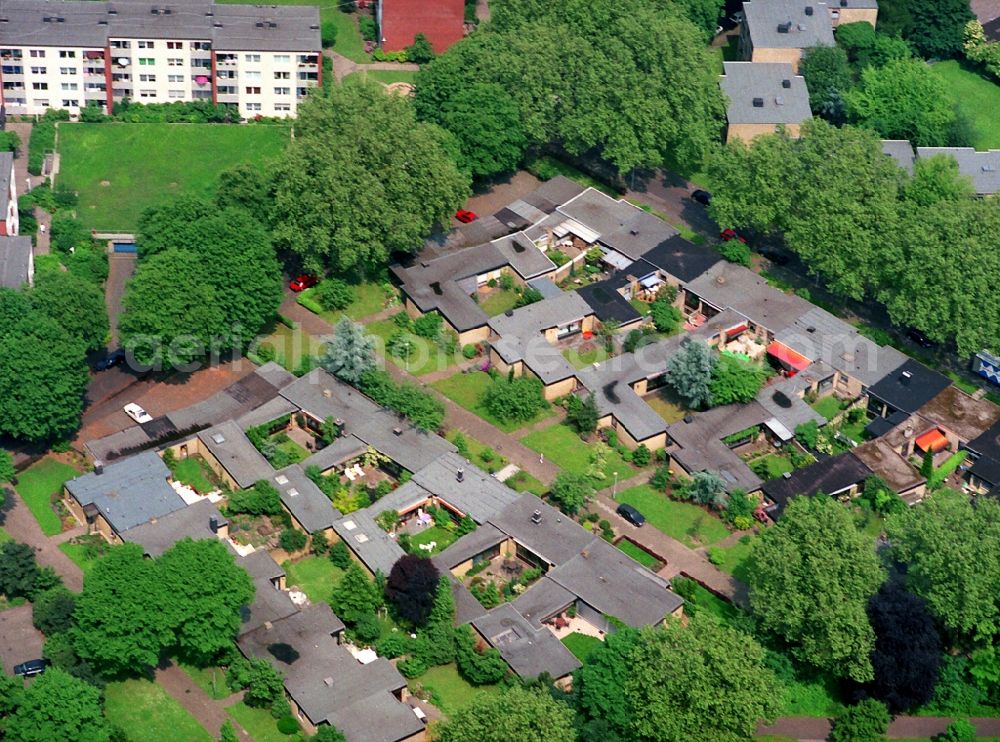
(499, 301)
(735, 561)
(683, 521)
(596, 354)
(145, 711)
(81, 556)
(581, 645)
(708, 602)
(667, 405)
(369, 299)
(977, 98)
(771, 465)
(122, 169)
(564, 448)
(427, 356)
(291, 346)
(441, 536)
(212, 680)
(829, 407)
(386, 77)
(37, 484)
(315, 575)
(479, 453)
(524, 482)
(466, 390)
(640, 555)
(259, 723)
(4, 536)
(293, 450)
(195, 472)
(450, 691)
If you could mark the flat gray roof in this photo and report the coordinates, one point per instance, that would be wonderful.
(806, 23)
(129, 492)
(304, 500)
(343, 449)
(543, 600)
(237, 455)
(156, 536)
(368, 541)
(982, 167)
(477, 494)
(600, 212)
(483, 538)
(15, 261)
(780, 93)
(556, 538)
(531, 321)
(701, 447)
(528, 650)
(901, 151)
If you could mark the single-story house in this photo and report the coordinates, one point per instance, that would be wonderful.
(764, 97)
(371, 547)
(840, 476)
(675, 261)
(198, 521)
(893, 468)
(310, 509)
(907, 388)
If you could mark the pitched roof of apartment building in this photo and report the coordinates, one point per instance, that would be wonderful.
(788, 24)
(764, 93)
(15, 261)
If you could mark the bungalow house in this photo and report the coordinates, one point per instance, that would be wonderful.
(764, 97)
(983, 476)
(399, 21)
(582, 576)
(370, 545)
(8, 196)
(198, 521)
(779, 30)
(840, 476)
(528, 336)
(17, 262)
(853, 11)
(906, 389)
(983, 168)
(893, 468)
(675, 261)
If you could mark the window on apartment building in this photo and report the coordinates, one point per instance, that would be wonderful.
(70, 86)
(203, 46)
(253, 106)
(175, 62)
(42, 102)
(282, 58)
(251, 57)
(147, 93)
(282, 107)
(252, 90)
(95, 86)
(39, 86)
(251, 75)
(37, 53)
(175, 44)
(147, 78)
(70, 103)
(175, 94)
(205, 63)
(282, 75)
(67, 54)
(15, 53)
(147, 61)
(227, 90)
(68, 71)
(120, 44)
(175, 78)
(146, 45)
(301, 92)
(39, 70)
(120, 76)
(9, 69)
(282, 91)
(16, 101)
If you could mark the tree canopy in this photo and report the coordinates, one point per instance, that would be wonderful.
(411, 587)
(828, 75)
(363, 179)
(952, 550)
(633, 82)
(689, 372)
(571, 491)
(486, 122)
(810, 579)
(734, 380)
(58, 706)
(527, 715)
(77, 305)
(349, 353)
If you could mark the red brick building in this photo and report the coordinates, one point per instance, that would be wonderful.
(441, 21)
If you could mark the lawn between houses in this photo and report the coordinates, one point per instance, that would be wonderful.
(120, 170)
(145, 711)
(690, 524)
(467, 390)
(565, 449)
(36, 486)
(977, 98)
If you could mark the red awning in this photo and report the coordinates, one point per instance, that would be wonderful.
(933, 440)
(787, 356)
(736, 330)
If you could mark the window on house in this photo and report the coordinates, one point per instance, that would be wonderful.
(147, 61)
(251, 57)
(67, 54)
(37, 53)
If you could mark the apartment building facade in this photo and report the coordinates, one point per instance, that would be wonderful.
(260, 60)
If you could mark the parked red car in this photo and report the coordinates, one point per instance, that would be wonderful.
(302, 282)
(465, 216)
(732, 234)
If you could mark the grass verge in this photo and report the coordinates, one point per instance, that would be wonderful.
(36, 486)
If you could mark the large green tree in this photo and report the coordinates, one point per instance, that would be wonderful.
(735, 381)
(363, 179)
(952, 552)
(58, 707)
(600, 683)
(828, 76)
(486, 123)
(77, 305)
(515, 714)
(208, 591)
(811, 576)
(689, 372)
(905, 99)
(936, 179)
(350, 353)
(43, 376)
(937, 26)
(700, 681)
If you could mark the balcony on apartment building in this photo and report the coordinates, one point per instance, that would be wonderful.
(308, 60)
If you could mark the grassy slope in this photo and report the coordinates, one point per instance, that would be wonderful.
(37, 484)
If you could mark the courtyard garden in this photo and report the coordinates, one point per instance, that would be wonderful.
(468, 390)
(448, 690)
(581, 645)
(119, 170)
(417, 346)
(144, 711)
(667, 404)
(84, 551)
(194, 472)
(314, 575)
(564, 448)
(362, 299)
(40, 486)
(690, 524)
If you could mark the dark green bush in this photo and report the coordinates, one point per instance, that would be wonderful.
(288, 725)
(292, 539)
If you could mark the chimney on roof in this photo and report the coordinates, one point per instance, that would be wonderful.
(213, 524)
(786, 83)
(905, 377)
(536, 517)
(98, 467)
(758, 102)
(509, 313)
(327, 393)
(397, 431)
(785, 27)
(779, 101)
(633, 232)
(460, 474)
(809, 10)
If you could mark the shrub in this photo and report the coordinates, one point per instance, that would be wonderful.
(367, 628)
(716, 556)
(261, 499)
(507, 282)
(340, 555)
(530, 294)
(665, 316)
(959, 730)
(328, 34)
(641, 456)
(333, 294)
(288, 725)
(479, 668)
(808, 433)
(292, 539)
(366, 25)
(661, 478)
(428, 325)
(469, 351)
(735, 252)
(9, 141)
(515, 399)
(262, 682)
(867, 721)
(412, 667)
(393, 645)
(420, 51)
(402, 321)
(638, 338)
(280, 707)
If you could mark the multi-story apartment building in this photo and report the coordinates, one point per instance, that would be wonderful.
(261, 60)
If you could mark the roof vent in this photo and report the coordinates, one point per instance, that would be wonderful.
(102, 22)
(785, 27)
(397, 431)
(313, 27)
(154, 11)
(281, 479)
(112, 11)
(758, 102)
(460, 475)
(786, 83)
(259, 24)
(809, 10)
(98, 468)
(536, 517)
(786, 475)
(509, 313)
(779, 101)
(217, 24)
(328, 682)
(843, 3)
(213, 524)
(989, 168)
(905, 377)
(633, 232)
(219, 438)
(802, 27)
(688, 419)
(293, 492)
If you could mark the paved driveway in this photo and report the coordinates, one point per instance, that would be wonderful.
(19, 640)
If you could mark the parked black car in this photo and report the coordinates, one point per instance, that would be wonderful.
(114, 358)
(630, 514)
(702, 197)
(31, 667)
(920, 339)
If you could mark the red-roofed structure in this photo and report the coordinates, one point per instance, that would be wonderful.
(441, 21)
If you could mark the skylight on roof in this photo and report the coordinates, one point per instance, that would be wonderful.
(219, 438)
(281, 479)
(293, 492)
(350, 525)
(361, 538)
